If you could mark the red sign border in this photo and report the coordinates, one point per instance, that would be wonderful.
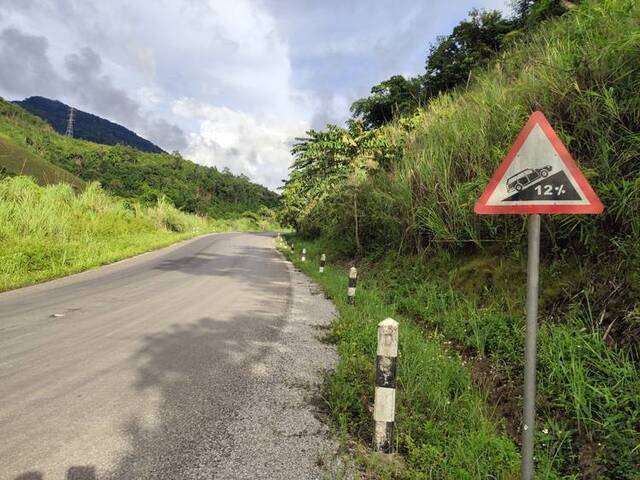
(537, 118)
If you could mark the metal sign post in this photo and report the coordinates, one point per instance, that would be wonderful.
(537, 176)
(529, 411)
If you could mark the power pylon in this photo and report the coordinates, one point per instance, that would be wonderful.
(70, 121)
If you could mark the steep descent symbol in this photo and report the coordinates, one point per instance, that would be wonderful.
(538, 175)
(547, 187)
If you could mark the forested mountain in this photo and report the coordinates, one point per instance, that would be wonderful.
(127, 172)
(86, 126)
(394, 191)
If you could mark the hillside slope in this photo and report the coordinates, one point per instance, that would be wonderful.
(400, 200)
(15, 161)
(86, 125)
(130, 173)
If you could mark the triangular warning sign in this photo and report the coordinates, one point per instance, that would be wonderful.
(538, 175)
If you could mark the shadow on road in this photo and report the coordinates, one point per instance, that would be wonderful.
(73, 473)
(258, 272)
(201, 371)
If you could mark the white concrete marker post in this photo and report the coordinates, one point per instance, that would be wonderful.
(323, 260)
(384, 411)
(304, 255)
(351, 290)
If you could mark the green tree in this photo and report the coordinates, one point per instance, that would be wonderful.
(531, 12)
(394, 97)
(472, 44)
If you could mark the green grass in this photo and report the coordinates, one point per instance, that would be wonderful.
(15, 160)
(463, 319)
(52, 231)
(444, 426)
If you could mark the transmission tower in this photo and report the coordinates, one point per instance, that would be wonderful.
(70, 120)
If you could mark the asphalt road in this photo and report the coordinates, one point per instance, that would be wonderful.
(141, 369)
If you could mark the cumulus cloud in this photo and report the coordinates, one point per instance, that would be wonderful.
(25, 65)
(255, 146)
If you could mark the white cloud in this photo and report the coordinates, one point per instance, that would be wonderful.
(255, 145)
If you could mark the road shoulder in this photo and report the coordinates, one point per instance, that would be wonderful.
(278, 435)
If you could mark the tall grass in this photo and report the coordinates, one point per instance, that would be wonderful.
(460, 371)
(589, 391)
(581, 71)
(47, 232)
(444, 429)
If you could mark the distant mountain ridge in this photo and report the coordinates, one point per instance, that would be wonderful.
(86, 126)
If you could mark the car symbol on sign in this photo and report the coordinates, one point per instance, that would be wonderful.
(527, 176)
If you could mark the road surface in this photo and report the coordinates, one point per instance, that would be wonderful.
(189, 362)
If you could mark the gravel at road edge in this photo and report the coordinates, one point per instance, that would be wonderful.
(278, 435)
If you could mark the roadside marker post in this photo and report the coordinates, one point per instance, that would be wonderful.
(385, 395)
(538, 176)
(351, 290)
(323, 260)
(304, 255)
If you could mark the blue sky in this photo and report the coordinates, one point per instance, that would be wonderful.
(227, 83)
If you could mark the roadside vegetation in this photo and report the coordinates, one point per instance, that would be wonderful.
(444, 428)
(15, 160)
(396, 195)
(52, 231)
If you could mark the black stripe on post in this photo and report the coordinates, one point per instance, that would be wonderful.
(387, 444)
(386, 371)
(351, 291)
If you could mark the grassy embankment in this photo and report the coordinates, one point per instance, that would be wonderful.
(460, 277)
(16, 161)
(444, 427)
(458, 400)
(52, 231)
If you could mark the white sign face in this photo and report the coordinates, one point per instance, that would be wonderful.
(537, 174)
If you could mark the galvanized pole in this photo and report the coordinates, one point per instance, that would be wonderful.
(529, 411)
